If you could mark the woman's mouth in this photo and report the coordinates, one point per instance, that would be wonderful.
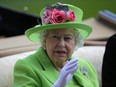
(61, 53)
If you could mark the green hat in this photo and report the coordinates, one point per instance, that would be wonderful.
(59, 16)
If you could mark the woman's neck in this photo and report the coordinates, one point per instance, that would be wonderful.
(59, 65)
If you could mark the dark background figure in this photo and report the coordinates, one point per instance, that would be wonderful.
(109, 63)
(14, 22)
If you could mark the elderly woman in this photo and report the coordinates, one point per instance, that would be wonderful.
(52, 65)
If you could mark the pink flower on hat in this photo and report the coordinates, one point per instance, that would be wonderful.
(58, 14)
(71, 15)
(47, 15)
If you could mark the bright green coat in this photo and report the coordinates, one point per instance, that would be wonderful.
(37, 71)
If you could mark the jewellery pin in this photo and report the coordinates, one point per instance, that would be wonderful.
(84, 70)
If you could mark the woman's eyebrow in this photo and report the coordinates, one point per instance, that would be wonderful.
(69, 35)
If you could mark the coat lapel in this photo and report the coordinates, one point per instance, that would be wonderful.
(49, 70)
(83, 79)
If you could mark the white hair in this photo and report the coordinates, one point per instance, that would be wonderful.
(78, 38)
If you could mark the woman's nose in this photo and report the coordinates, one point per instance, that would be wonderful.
(61, 43)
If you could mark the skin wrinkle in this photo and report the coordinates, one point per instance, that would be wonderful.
(78, 38)
(54, 43)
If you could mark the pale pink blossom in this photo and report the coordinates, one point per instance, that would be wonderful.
(57, 16)
(71, 16)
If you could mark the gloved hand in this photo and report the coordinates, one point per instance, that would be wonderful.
(66, 73)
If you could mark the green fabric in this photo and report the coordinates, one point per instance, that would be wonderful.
(37, 71)
(84, 29)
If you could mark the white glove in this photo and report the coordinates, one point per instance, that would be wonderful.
(66, 73)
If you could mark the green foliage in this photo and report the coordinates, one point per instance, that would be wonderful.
(89, 7)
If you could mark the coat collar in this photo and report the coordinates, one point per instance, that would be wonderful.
(49, 70)
(52, 74)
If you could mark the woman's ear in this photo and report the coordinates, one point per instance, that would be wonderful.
(44, 41)
(44, 44)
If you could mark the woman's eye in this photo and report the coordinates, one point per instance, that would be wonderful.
(68, 38)
(55, 37)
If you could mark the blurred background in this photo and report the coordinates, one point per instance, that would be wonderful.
(28, 11)
(16, 16)
(90, 7)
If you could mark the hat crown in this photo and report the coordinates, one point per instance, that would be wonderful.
(71, 10)
(59, 16)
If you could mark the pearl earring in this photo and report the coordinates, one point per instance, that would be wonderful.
(44, 47)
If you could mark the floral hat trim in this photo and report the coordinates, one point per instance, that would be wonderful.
(59, 13)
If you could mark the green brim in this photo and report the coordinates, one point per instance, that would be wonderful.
(32, 33)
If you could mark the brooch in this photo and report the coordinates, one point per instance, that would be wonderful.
(84, 70)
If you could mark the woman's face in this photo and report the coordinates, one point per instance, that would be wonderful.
(60, 44)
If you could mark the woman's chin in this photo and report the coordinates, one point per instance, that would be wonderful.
(61, 59)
